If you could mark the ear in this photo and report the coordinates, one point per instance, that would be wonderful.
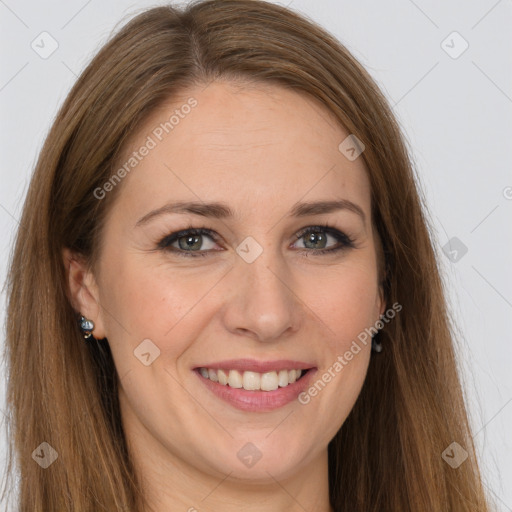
(83, 291)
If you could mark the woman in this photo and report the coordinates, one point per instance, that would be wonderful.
(223, 293)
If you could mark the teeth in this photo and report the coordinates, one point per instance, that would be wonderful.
(252, 381)
(223, 377)
(234, 379)
(269, 381)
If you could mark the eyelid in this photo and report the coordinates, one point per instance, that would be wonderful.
(323, 227)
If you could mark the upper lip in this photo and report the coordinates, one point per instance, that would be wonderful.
(253, 365)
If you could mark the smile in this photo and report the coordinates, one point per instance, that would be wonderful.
(256, 386)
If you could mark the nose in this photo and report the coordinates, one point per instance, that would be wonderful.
(261, 302)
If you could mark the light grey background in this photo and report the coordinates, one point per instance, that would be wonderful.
(456, 112)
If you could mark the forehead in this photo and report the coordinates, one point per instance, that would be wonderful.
(246, 145)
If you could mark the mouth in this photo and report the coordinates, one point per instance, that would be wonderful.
(256, 386)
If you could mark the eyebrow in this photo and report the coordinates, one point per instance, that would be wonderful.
(218, 210)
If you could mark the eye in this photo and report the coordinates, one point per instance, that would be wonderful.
(188, 241)
(316, 237)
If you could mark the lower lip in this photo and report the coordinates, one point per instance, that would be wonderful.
(258, 401)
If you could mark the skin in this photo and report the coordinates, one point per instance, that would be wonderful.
(260, 149)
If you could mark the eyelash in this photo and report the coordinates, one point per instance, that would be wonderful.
(165, 243)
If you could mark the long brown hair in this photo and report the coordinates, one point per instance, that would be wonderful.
(388, 454)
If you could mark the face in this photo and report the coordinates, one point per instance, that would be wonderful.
(264, 285)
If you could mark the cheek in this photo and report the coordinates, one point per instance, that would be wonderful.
(164, 304)
(347, 301)
(347, 306)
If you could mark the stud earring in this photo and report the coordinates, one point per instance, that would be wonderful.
(86, 327)
(376, 346)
